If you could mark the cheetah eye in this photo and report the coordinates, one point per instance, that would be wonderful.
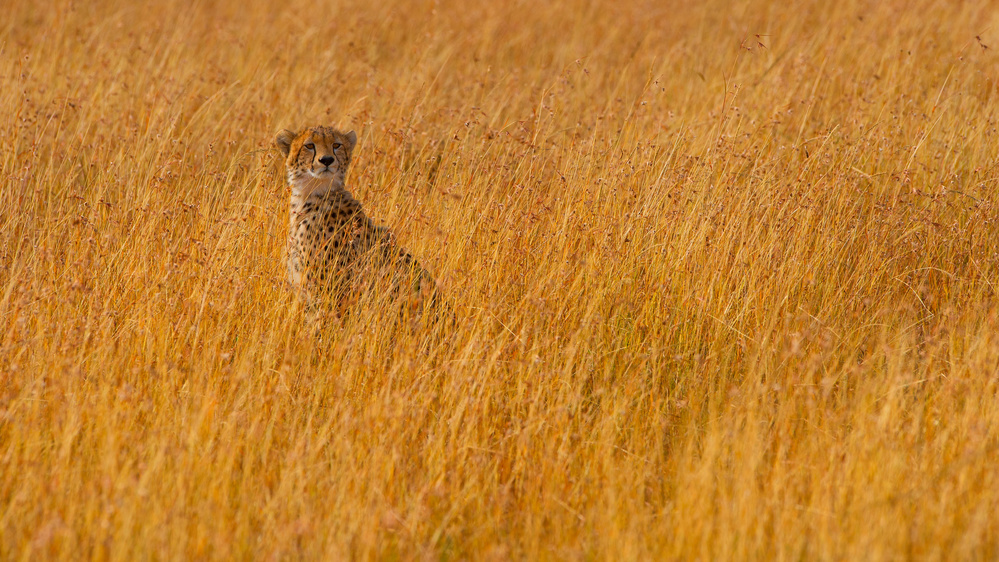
(336, 145)
(310, 146)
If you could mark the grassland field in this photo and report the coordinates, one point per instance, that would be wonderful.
(725, 276)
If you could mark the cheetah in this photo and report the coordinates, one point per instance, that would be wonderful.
(335, 252)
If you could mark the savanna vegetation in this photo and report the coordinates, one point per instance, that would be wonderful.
(725, 276)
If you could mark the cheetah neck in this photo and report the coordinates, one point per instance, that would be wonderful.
(304, 188)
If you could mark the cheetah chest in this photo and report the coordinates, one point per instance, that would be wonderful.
(321, 242)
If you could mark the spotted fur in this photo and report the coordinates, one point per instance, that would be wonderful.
(335, 251)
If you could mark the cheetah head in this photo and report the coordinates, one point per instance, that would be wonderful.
(316, 158)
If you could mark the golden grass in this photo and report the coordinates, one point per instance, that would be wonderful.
(726, 275)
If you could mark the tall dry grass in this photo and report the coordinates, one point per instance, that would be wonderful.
(726, 276)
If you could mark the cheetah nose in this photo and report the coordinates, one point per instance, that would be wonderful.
(326, 160)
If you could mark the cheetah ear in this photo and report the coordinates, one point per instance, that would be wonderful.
(283, 140)
(352, 139)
